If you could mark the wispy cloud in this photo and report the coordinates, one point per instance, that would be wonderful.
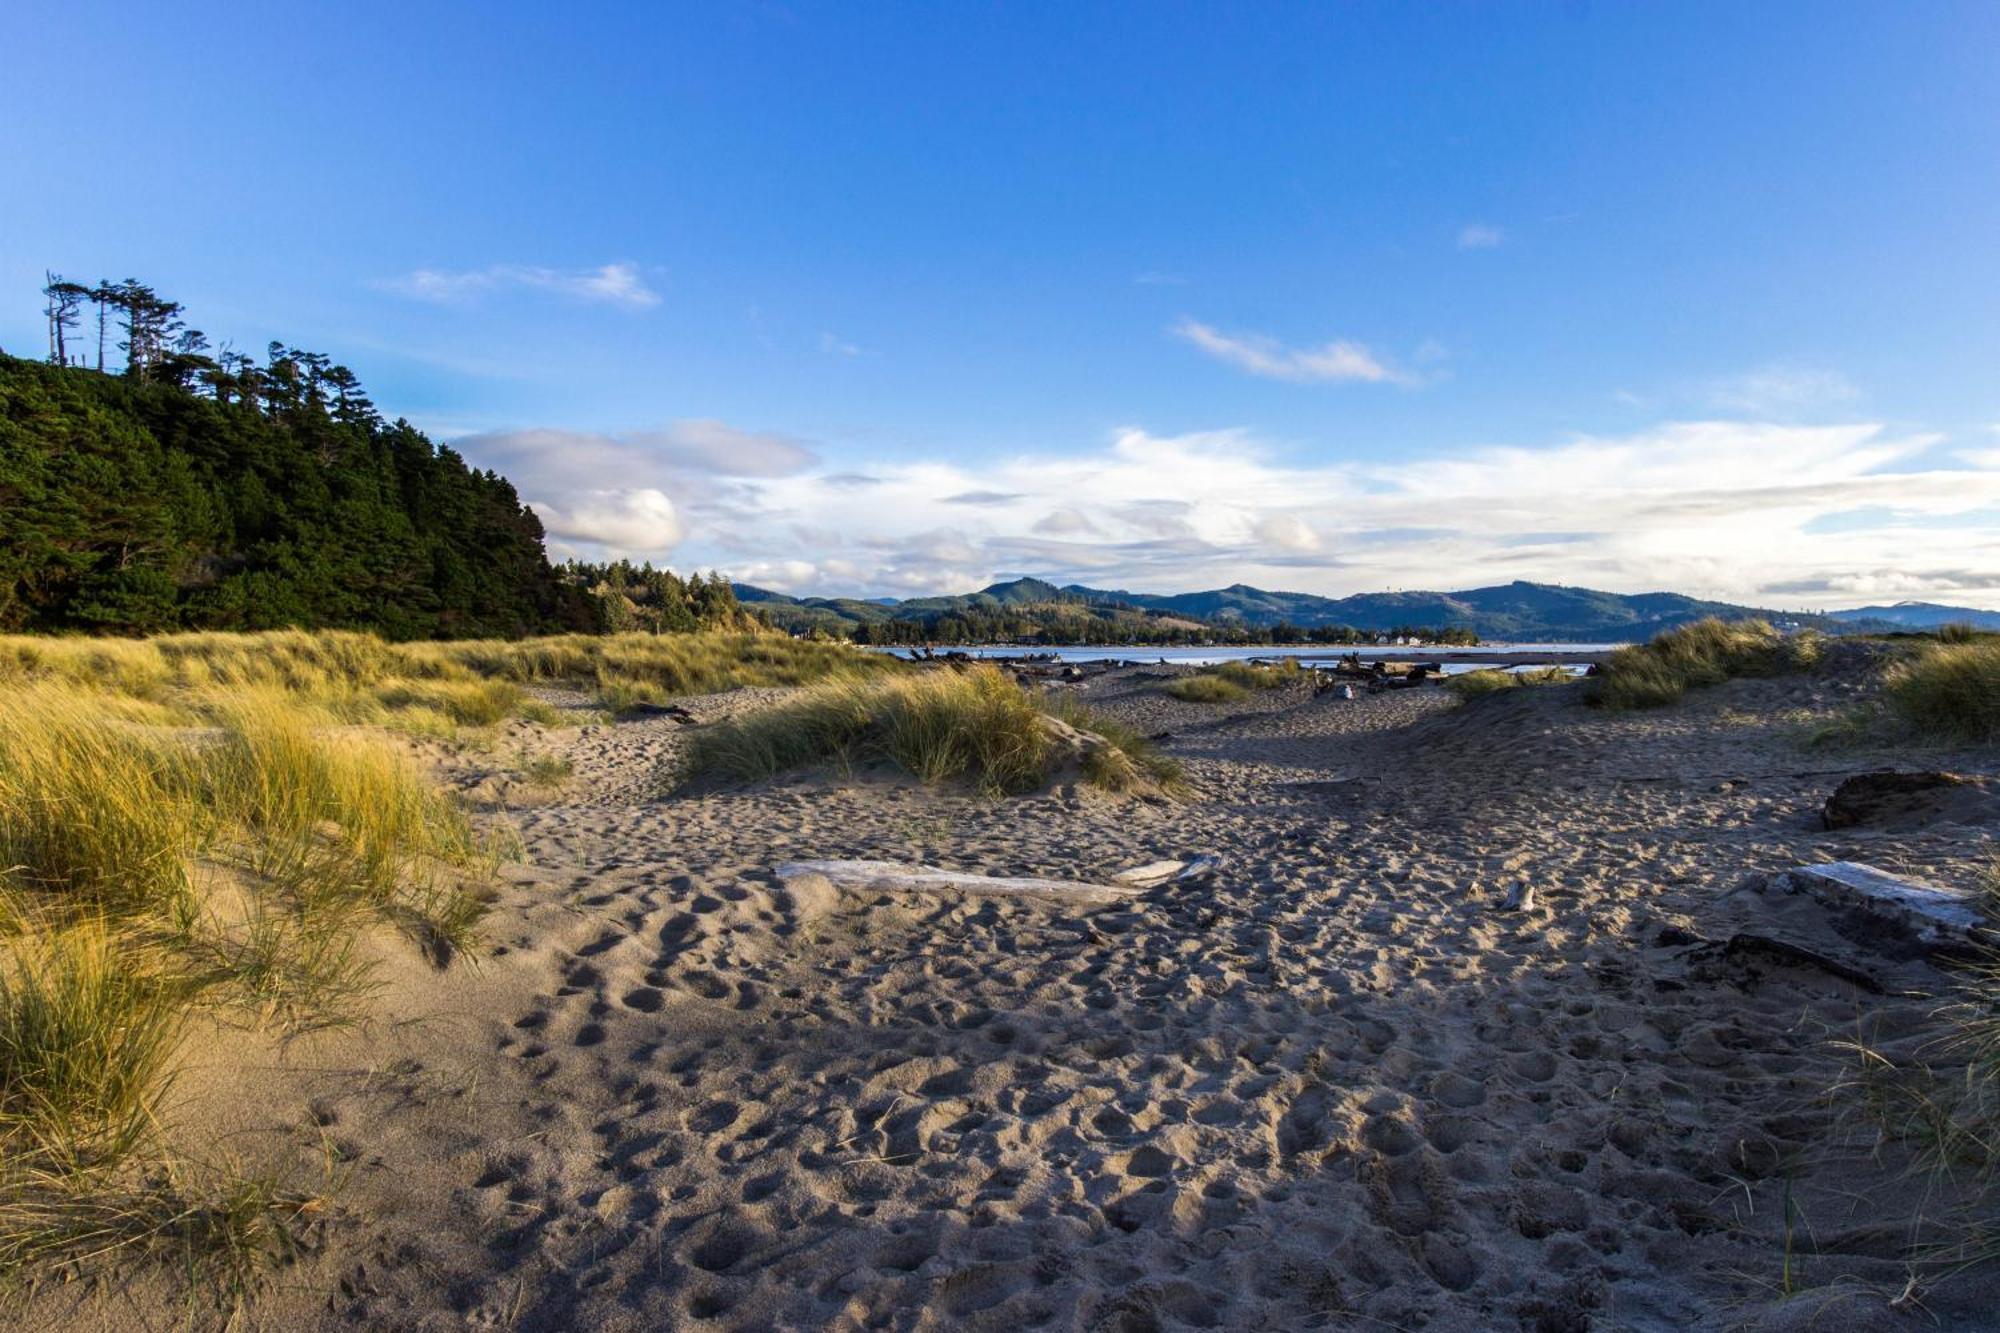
(1780, 389)
(1479, 236)
(1336, 362)
(608, 284)
(1156, 278)
(835, 345)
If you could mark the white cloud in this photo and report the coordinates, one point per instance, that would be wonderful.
(1479, 236)
(1780, 390)
(1287, 532)
(1258, 354)
(1757, 513)
(624, 494)
(608, 284)
(834, 345)
(1155, 278)
(632, 521)
(1723, 509)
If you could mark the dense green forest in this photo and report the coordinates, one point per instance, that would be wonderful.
(188, 490)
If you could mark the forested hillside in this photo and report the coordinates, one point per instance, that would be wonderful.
(188, 491)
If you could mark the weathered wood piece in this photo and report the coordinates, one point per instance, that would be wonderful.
(1784, 951)
(1910, 909)
(1890, 799)
(1155, 873)
(894, 877)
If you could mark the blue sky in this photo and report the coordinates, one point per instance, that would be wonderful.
(895, 298)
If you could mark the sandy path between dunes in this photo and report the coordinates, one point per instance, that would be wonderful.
(1332, 1088)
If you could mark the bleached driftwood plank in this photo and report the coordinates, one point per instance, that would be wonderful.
(1926, 913)
(894, 877)
(1155, 873)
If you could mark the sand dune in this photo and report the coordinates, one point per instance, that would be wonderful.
(1334, 1085)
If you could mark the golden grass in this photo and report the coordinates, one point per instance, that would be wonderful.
(976, 725)
(212, 822)
(1950, 691)
(420, 688)
(87, 1032)
(1203, 688)
(1704, 653)
(1470, 684)
(1226, 682)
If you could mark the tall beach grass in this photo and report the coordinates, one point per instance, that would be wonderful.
(976, 726)
(1693, 656)
(1472, 684)
(1949, 691)
(1227, 682)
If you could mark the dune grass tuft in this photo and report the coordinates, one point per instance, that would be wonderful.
(86, 1037)
(1704, 653)
(1227, 682)
(977, 726)
(94, 812)
(218, 1232)
(1202, 688)
(1949, 692)
(1471, 684)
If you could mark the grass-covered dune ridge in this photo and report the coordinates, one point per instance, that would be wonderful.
(976, 726)
(153, 875)
(220, 827)
(1704, 653)
(422, 687)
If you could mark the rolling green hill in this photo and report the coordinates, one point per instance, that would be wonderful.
(1035, 609)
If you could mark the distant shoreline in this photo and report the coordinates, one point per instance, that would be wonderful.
(1494, 654)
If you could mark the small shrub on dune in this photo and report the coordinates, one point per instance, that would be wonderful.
(1704, 653)
(1950, 692)
(1956, 632)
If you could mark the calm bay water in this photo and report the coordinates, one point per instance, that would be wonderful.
(1454, 660)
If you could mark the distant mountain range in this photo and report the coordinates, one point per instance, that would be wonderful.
(1520, 611)
(1920, 615)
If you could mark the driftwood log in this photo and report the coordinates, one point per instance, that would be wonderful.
(818, 879)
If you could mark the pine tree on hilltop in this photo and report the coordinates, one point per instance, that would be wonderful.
(199, 491)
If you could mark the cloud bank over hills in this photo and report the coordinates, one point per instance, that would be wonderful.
(1764, 513)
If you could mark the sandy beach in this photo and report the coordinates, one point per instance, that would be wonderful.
(1336, 1084)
